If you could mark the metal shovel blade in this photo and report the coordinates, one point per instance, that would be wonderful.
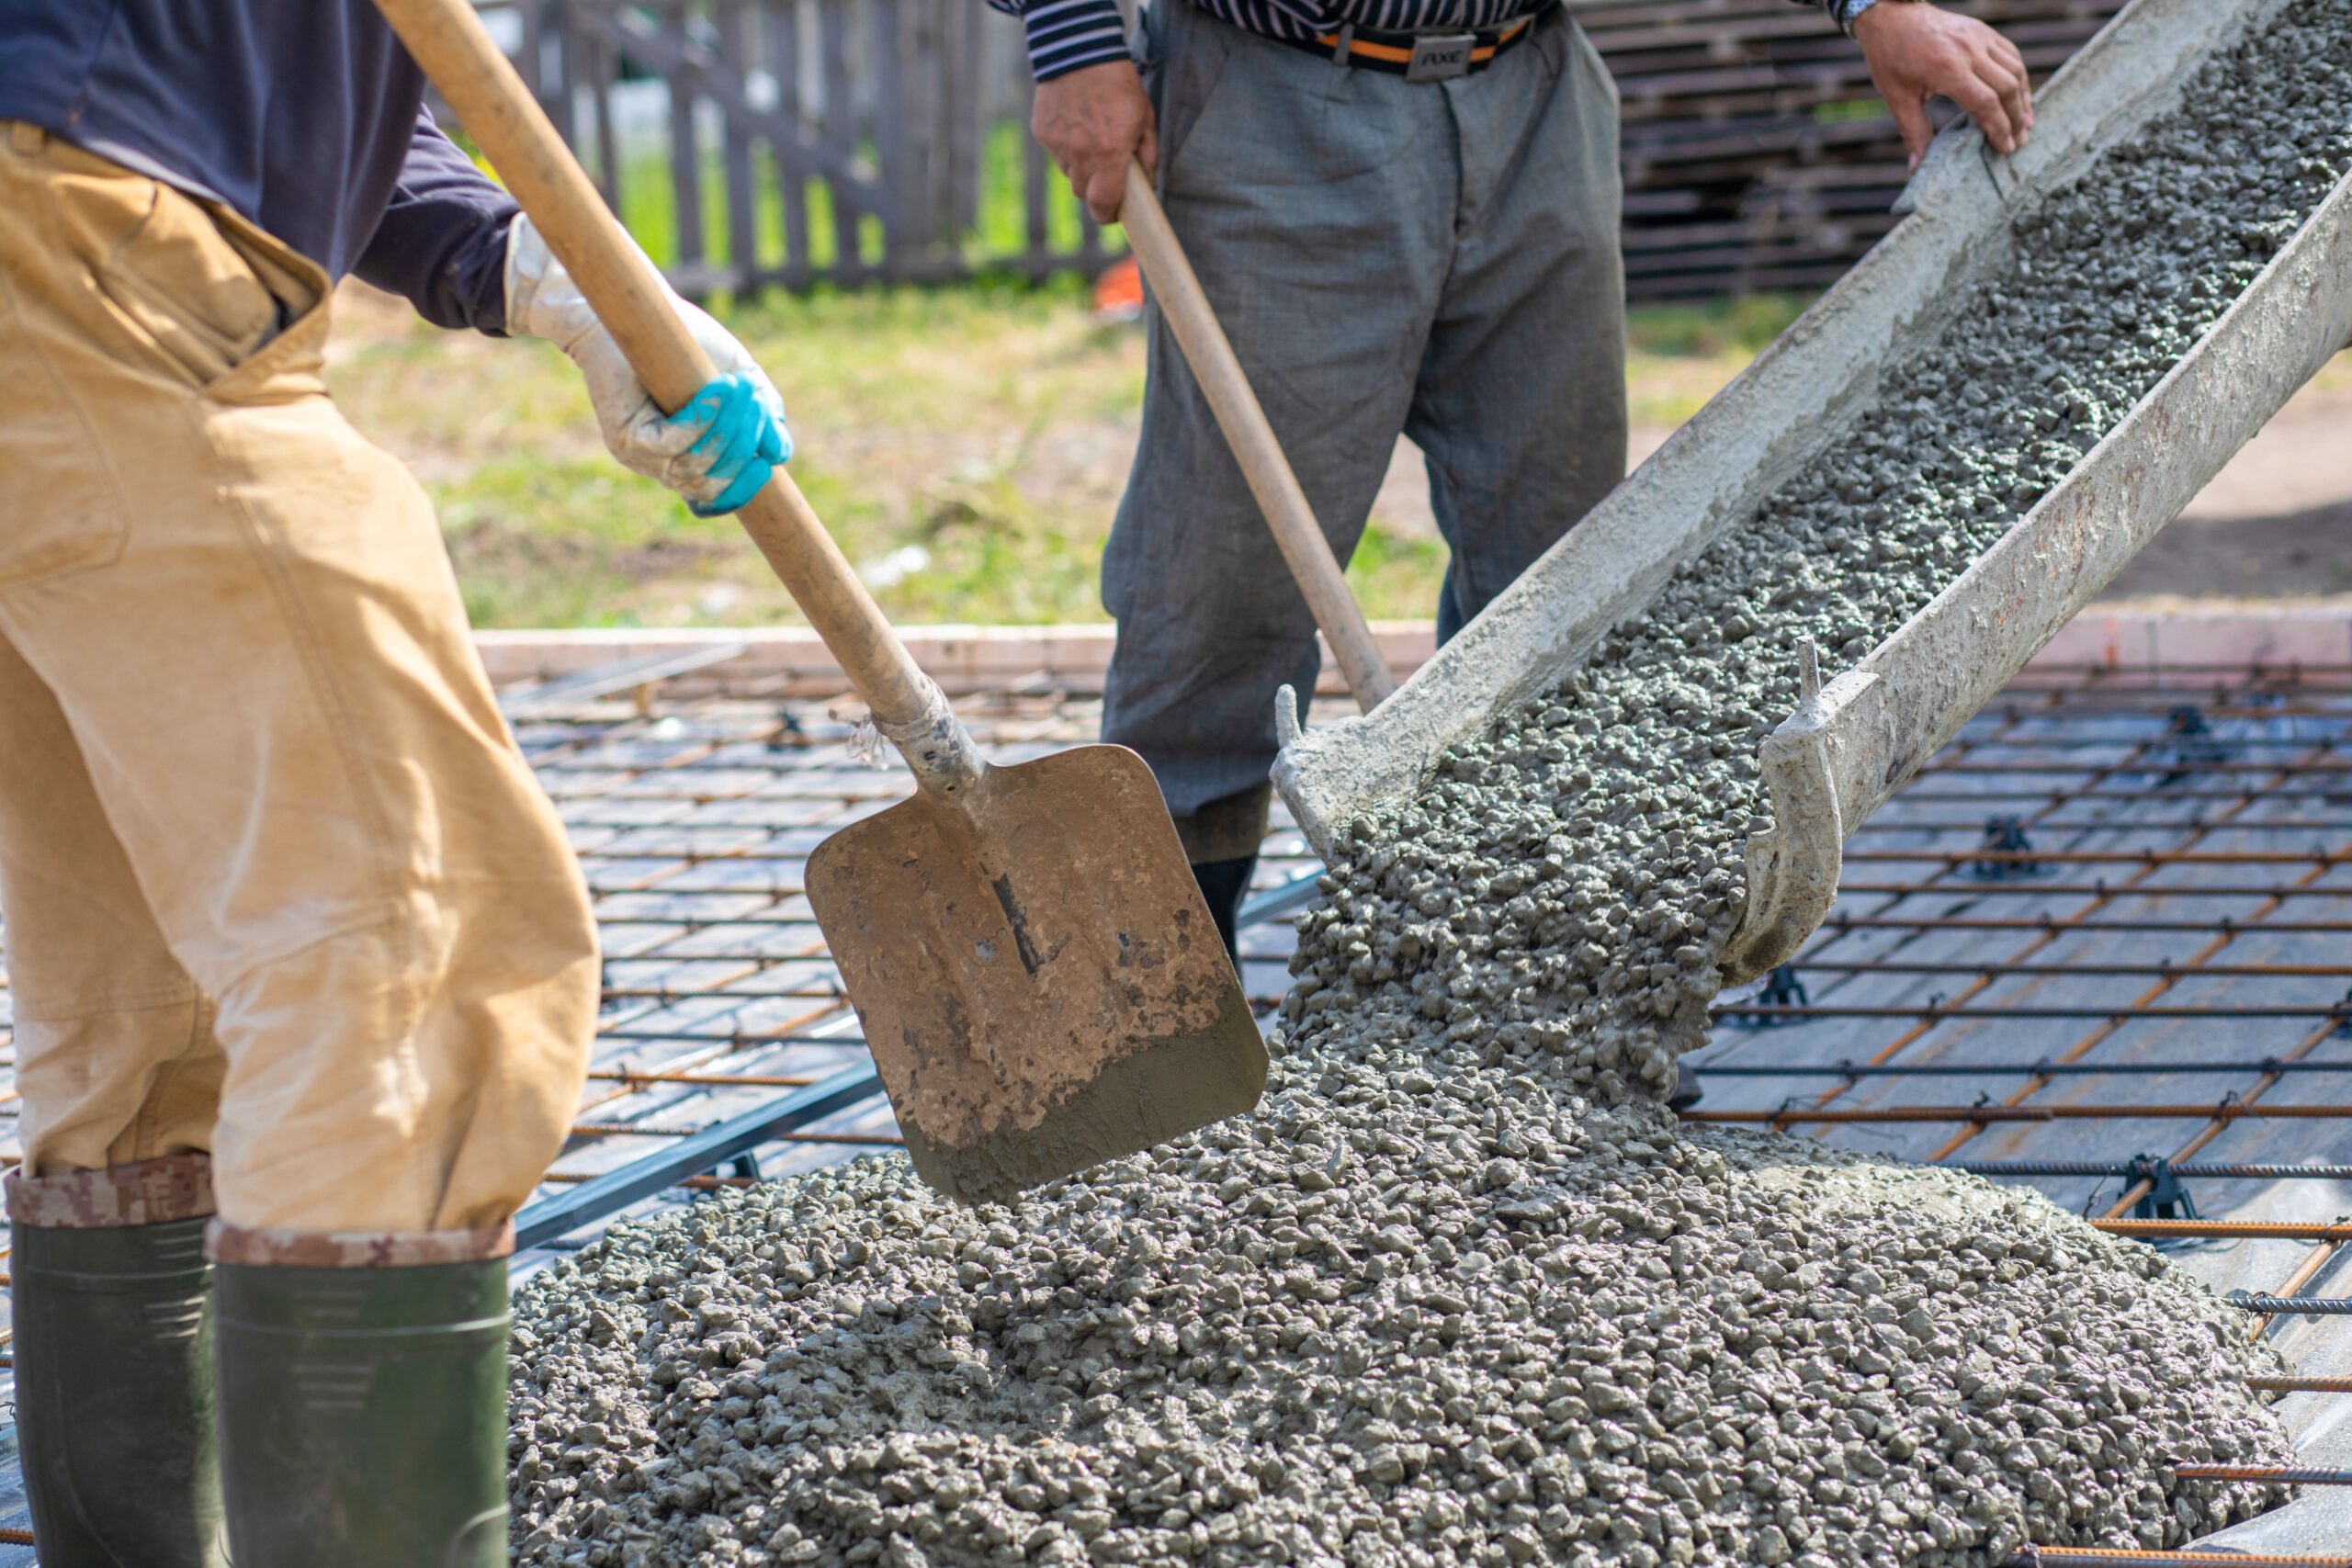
(1041, 985)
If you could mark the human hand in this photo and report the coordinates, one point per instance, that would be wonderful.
(1093, 121)
(719, 450)
(1918, 52)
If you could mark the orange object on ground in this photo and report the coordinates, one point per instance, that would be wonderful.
(1118, 293)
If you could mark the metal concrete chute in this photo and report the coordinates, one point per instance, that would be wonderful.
(1853, 738)
(1873, 729)
(1792, 866)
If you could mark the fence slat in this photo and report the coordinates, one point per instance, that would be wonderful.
(786, 39)
(884, 38)
(686, 87)
(959, 92)
(841, 127)
(604, 66)
(1036, 197)
(731, 24)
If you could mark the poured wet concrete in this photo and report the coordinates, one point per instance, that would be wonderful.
(1460, 1291)
(1397, 1317)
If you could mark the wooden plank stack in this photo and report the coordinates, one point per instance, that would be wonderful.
(1757, 154)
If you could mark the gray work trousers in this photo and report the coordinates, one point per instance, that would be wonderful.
(1435, 258)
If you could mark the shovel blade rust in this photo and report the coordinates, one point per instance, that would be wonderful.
(1040, 982)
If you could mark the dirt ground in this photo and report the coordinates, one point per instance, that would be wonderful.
(2277, 522)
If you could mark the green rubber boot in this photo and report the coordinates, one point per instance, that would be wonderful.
(362, 1415)
(113, 1395)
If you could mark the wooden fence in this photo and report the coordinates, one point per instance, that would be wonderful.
(753, 144)
(758, 142)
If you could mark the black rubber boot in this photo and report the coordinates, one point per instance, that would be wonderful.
(362, 1415)
(1225, 882)
(113, 1395)
(1688, 1091)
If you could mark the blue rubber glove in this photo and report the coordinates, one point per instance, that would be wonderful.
(740, 436)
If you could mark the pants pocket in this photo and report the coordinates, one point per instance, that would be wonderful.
(1188, 54)
(187, 297)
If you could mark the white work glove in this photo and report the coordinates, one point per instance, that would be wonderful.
(717, 451)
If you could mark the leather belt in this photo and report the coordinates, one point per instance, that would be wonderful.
(1416, 57)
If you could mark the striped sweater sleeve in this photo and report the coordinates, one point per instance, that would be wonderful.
(1066, 35)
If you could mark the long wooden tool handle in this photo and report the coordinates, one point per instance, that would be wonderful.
(1297, 533)
(449, 42)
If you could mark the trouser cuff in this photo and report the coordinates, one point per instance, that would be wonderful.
(1226, 829)
(143, 1192)
(225, 1242)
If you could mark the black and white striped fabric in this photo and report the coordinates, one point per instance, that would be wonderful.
(1065, 35)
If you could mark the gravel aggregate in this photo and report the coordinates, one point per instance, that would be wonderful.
(1400, 1315)
(1460, 1291)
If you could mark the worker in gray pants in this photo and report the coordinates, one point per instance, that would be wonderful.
(1405, 213)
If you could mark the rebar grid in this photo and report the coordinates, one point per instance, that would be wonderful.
(2145, 925)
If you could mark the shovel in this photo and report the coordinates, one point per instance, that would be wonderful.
(1185, 307)
(1039, 979)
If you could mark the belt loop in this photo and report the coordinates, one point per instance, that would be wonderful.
(1343, 51)
(26, 138)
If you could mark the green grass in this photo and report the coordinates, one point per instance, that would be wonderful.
(987, 426)
(1676, 357)
(1395, 579)
(1717, 329)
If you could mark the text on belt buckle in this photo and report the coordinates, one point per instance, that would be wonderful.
(1440, 56)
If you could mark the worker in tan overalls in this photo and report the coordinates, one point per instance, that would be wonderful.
(302, 969)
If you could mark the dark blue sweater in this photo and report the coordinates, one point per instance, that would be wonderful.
(304, 116)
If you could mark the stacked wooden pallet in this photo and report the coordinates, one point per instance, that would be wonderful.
(1757, 154)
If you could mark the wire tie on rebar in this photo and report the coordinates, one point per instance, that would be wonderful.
(866, 741)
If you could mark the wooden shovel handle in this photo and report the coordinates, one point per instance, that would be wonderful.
(449, 43)
(1297, 533)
